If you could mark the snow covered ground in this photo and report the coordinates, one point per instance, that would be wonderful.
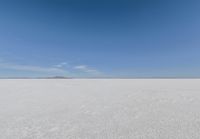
(100, 109)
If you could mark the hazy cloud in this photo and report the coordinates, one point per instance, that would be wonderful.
(32, 68)
(61, 65)
(86, 69)
(58, 69)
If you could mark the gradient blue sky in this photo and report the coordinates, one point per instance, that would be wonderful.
(116, 38)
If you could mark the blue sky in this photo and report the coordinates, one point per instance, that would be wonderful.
(85, 38)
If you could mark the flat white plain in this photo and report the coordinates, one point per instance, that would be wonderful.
(100, 109)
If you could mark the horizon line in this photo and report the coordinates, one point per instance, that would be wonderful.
(63, 77)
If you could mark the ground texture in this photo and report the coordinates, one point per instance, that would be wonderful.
(100, 109)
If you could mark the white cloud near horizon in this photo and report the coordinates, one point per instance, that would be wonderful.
(86, 69)
(61, 65)
(61, 69)
(31, 68)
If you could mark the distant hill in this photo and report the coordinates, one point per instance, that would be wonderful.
(58, 77)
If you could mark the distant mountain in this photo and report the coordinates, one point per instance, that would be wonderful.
(58, 77)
